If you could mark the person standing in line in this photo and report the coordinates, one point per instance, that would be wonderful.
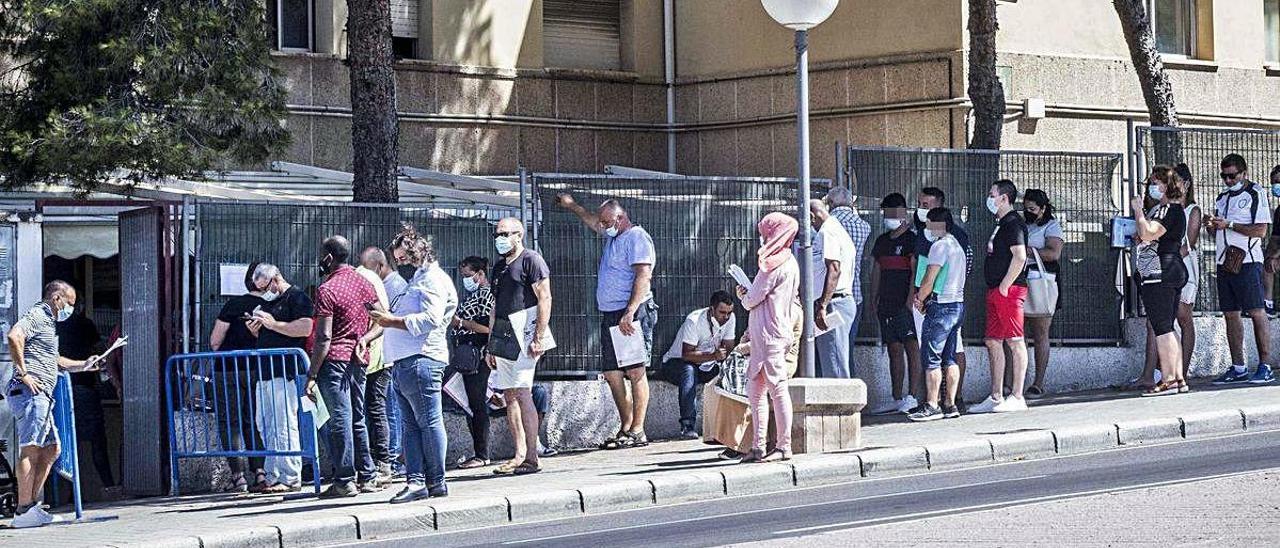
(1273, 246)
(374, 259)
(834, 307)
(377, 382)
(890, 286)
(522, 281)
(234, 387)
(1006, 276)
(1238, 226)
(927, 199)
(770, 302)
(941, 297)
(33, 349)
(841, 202)
(415, 339)
(469, 333)
(284, 322)
(1044, 237)
(1191, 261)
(338, 361)
(624, 297)
(703, 341)
(1160, 235)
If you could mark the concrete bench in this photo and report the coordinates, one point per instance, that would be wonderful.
(827, 414)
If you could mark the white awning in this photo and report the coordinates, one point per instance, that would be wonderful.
(71, 241)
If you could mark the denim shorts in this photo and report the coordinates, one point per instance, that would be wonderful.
(32, 415)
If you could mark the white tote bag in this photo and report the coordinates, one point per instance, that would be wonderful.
(1042, 292)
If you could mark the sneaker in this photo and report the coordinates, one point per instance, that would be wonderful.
(730, 454)
(30, 518)
(926, 413)
(1263, 375)
(410, 493)
(952, 412)
(687, 433)
(1271, 307)
(1010, 405)
(987, 406)
(908, 404)
(544, 451)
(340, 490)
(1232, 377)
(369, 486)
(46, 516)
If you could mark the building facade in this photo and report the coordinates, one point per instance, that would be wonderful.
(485, 86)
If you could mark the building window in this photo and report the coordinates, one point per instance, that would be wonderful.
(584, 34)
(404, 28)
(1174, 24)
(1271, 22)
(292, 21)
(404, 48)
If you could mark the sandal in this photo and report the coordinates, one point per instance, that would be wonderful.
(282, 488)
(527, 468)
(615, 442)
(1035, 392)
(506, 469)
(1163, 389)
(473, 462)
(1183, 387)
(237, 484)
(755, 455)
(635, 439)
(776, 455)
(259, 482)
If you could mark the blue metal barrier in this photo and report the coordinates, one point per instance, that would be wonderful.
(250, 396)
(64, 419)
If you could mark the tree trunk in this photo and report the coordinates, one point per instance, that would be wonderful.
(374, 126)
(1156, 88)
(984, 82)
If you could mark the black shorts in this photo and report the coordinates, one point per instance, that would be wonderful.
(646, 318)
(897, 327)
(1161, 303)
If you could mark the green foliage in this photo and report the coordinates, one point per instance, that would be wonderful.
(152, 87)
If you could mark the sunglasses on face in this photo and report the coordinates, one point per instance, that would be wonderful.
(1228, 176)
(504, 234)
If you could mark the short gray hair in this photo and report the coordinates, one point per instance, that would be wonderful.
(839, 197)
(265, 271)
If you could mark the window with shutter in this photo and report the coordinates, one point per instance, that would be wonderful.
(404, 18)
(582, 34)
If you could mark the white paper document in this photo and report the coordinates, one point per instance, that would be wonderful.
(457, 391)
(119, 343)
(739, 276)
(231, 279)
(834, 320)
(524, 322)
(628, 349)
(319, 411)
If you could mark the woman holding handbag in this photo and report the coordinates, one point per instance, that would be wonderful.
(468, 334)
(1044, 238)
(1161, 272)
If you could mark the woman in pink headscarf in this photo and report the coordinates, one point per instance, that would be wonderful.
(770, 300)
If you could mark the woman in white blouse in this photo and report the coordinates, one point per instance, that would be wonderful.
(1044, 235)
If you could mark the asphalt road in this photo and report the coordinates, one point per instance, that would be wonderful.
(784, 517)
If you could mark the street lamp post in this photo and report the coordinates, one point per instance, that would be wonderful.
(800, 16)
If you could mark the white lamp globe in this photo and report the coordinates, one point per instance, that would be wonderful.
(799, 14)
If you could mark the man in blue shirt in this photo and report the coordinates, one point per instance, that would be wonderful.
(625, 300)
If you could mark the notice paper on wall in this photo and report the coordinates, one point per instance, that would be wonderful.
(231, 279)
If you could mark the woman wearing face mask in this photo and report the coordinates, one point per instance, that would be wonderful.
(1272, 264)
(1044, 236)
(233, 382)
(1190, 259)
(1162, 274)
(468, 334)
(770, 302)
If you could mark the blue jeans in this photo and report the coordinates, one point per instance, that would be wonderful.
(832, 348)
(394, 423)
(417, 383)
(342, 385)
(684, 375)
(939, 334)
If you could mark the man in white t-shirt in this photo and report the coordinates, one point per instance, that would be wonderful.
(834, 309)
(704, 340)
(941, 299)
(1240, 221)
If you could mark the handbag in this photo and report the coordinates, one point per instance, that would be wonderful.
(1042, 292)
(466, 358)
(1232, 260)
(502, 340)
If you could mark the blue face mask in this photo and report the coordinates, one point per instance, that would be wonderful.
(64, 313)
(1275, 190)
(503, 245)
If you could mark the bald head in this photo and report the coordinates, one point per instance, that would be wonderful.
(818, 213)
(612, 215)
(59, 295)
(374, 259)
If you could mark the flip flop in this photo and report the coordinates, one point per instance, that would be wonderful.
(526, 468)
(506, 469)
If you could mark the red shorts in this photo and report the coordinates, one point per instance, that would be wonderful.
(1004, 313)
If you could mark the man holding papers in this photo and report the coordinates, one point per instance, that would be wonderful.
(835, 308)
(522, 295)
(625, 301)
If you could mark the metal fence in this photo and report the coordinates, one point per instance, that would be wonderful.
(699, 225)
(1203, 149)
(1086, 192)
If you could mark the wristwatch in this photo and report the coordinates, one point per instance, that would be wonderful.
(1231, 225)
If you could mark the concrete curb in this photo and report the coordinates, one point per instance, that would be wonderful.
(462, 512)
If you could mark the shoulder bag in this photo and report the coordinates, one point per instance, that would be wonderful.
(1042, 291)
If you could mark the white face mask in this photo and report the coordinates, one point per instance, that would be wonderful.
(1236, 187)
(470, 284)
(611, 232)
(503, 245)
(991, 206)
(1155, 193)
(922, 214)
(64, 313)
(269, 295)
(931, 236)
(892, 224)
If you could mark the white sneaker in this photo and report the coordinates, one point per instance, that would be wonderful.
(30, 518)
(987, 406)
(1010, 405)
(885, 408)
(907, 404)
(46, 516)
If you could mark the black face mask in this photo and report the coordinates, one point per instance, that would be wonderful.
(1030, 217)
(325, 263)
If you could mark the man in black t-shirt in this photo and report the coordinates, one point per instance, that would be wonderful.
(521, 280)
(78, 337)
(890, 287)
(1006, 276)
(284, 322)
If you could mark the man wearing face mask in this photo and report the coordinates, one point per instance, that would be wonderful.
(521, 280)
(1006, 276)
(384, 434)
(284, 322)
(338, 362)
(1240, 222)
(624, 297)
(33, 348)
(890, 285)
(931, 198)
(1272, 265)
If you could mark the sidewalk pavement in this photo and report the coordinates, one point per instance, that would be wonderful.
(667, 472)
